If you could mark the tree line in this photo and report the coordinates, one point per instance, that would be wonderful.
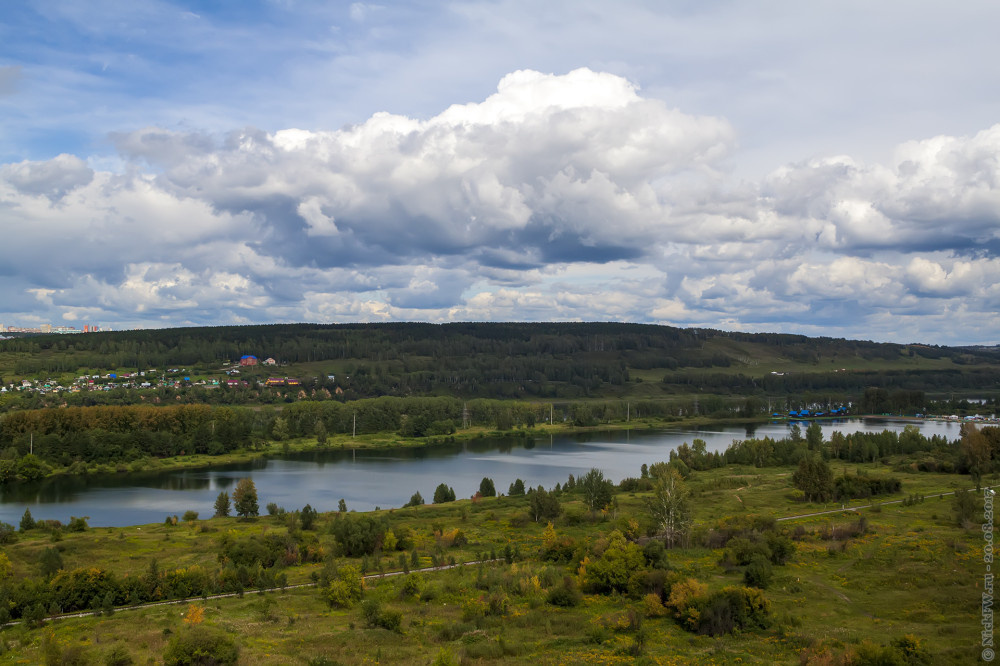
(500, 360)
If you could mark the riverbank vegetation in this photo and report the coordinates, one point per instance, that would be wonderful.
(35, 444)
(689, 561)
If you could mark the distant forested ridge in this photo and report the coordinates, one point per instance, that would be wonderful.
(519, 360)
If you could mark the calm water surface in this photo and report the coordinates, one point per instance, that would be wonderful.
(369, 479)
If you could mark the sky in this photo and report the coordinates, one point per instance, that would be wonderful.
(824, 168)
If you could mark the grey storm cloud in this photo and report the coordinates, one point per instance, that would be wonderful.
(52, 178)
(558, 197)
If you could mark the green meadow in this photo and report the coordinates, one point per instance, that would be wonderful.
(889, 580)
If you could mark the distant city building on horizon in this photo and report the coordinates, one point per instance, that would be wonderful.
(49, 328)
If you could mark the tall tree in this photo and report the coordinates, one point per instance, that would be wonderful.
(976, 453)
(669, 507)
(544, 505)
(597, 490)
(814, 478)
(814, 436)
(245, 499)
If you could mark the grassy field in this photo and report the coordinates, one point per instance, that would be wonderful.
(912, 571)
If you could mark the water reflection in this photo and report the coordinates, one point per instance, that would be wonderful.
(369, 478)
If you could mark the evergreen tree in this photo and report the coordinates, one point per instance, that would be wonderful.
(245, 499)
(308, 517)
(222, 505)
(516, 489)
(27, 522)
(486, 488)
(443, 494)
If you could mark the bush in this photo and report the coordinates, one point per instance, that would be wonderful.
(411, 586)
(732, 608)
(7, 533)
(118, 655)
(782, 547)
(566, 594)
(375, 616)
(742, 550)
(758, 572)
(201, 645)
(346, 589)
(656, 581)
(360, 535)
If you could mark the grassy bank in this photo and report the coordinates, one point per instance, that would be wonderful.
(911, 571)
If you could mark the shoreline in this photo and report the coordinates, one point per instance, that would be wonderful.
(390, 441)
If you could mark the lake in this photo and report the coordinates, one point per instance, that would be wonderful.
(367, 479)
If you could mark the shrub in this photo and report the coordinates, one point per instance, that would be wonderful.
(758, 572)
(346, 589)
(411, 586)
(782, 547)
(653, 606)
(566, 594)
(200, 644)
(7, 533)
(118, 655)
(360, 535)
(657, 581)
(656, 555)
(732, 608)
(613, 569)
(741, 550)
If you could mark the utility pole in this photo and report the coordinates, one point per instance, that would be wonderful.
(354, 428)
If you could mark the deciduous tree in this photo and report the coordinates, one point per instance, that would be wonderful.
(597, 490)
(668, 506)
